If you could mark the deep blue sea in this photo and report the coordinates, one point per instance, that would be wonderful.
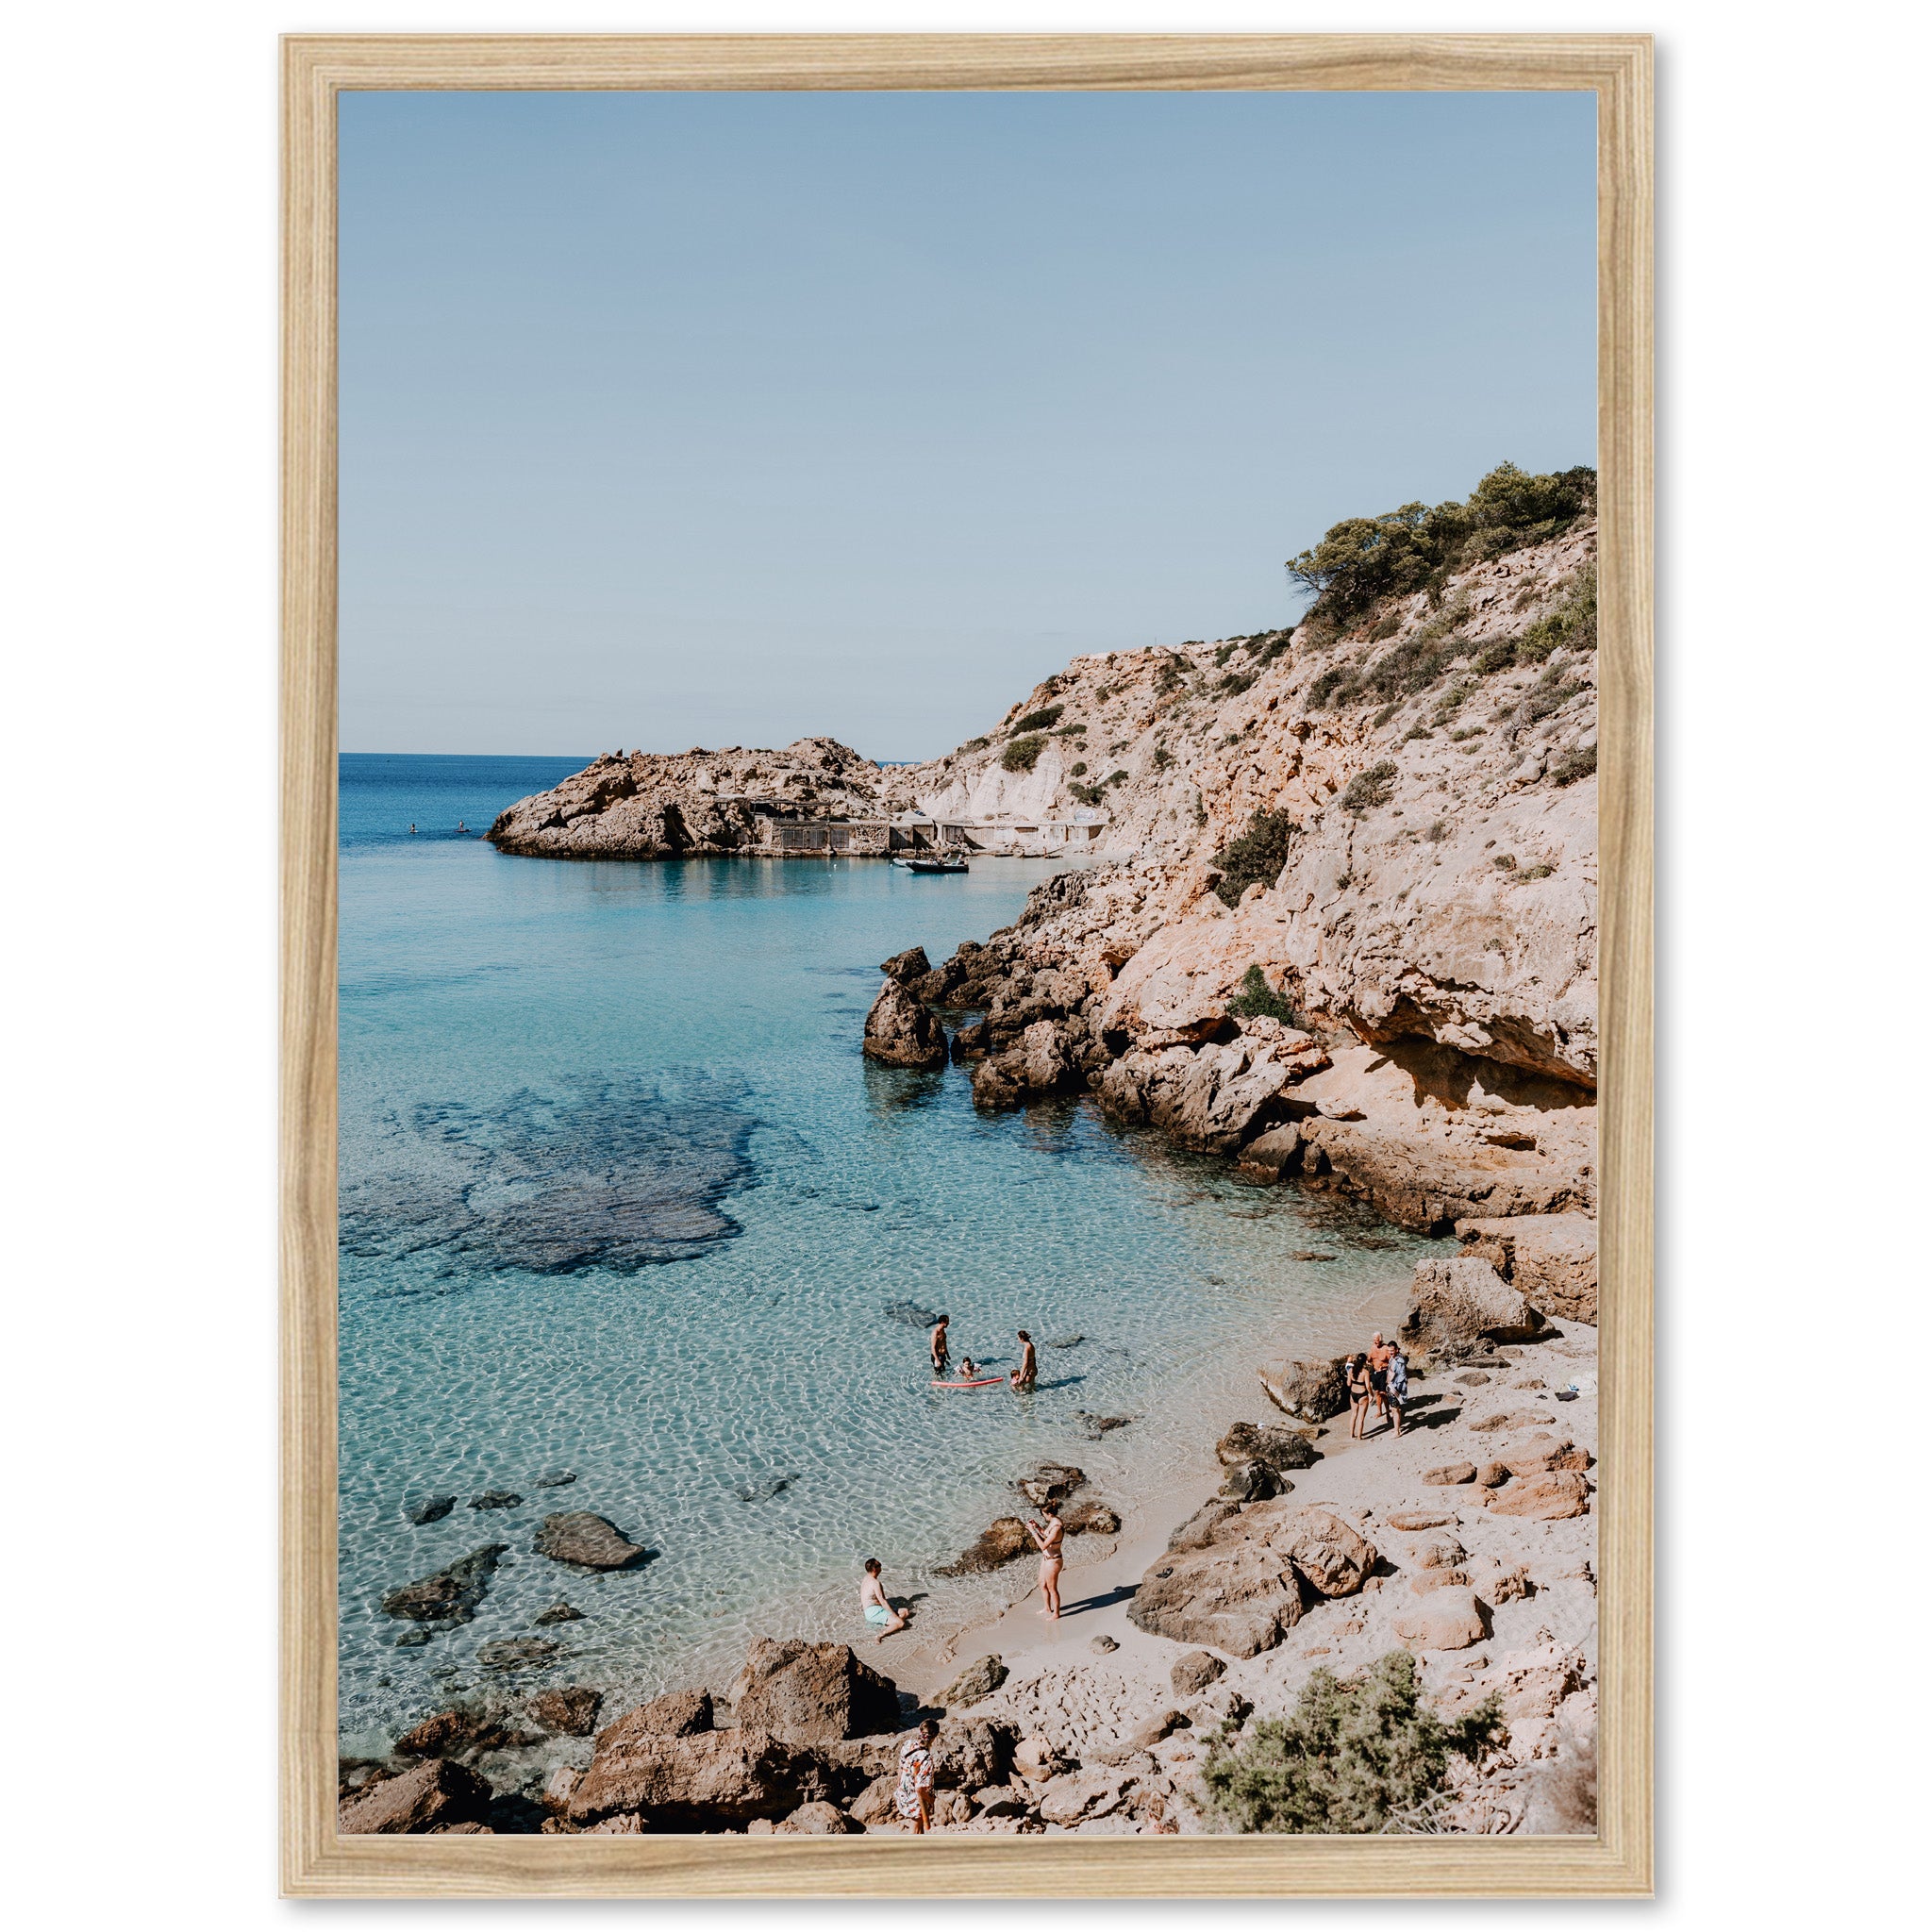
(621, 1198)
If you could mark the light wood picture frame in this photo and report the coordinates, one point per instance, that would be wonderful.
(315, 1862)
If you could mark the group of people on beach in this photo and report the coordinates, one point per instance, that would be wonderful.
(1021, 1379)
(1378, 1381)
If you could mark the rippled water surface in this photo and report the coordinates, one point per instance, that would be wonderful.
(621, 1198)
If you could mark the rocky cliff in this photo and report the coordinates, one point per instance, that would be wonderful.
(694, 803)
(1352, 890)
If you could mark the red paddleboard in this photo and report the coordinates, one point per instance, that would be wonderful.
(988, 1382)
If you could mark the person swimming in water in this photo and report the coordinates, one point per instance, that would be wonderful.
(969, 1368)
(876, 1604)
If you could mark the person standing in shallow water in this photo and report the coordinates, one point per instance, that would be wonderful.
(1028, 1373)
(913, 1797)
(942, 1354)
(876, 1604)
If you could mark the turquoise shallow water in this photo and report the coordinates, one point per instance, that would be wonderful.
(620, 1196)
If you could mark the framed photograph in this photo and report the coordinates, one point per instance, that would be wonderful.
(966, 1113)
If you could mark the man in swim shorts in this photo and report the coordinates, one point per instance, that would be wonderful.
(1380, 1355)
(876, 1604)
(940, 1353)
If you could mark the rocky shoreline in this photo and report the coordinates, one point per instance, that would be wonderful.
(1468, 1543)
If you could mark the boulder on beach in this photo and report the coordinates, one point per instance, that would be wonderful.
(676, 1714)
(1451, 1472)
(1242, 1598)
(697, 1781)
(1441, 1620)
(1279, 1449)
(1462, 1304)
(1252, 1482)
(455, 1733)
(435, 1793)
(1002, 1539)
(1193, 1671)
(1543, 1498)
(900, 1032)
(1269, 1155)
(812, 1693)
(1334, 1558)
(589, 1543)
(451, 1594)
(972, 1041)
(1550, 1259)
(817, 1817)
(1089, 1518)
(1310, 1391)
(1201, 1528)
(979, 1679)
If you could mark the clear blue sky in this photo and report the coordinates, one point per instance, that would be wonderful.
(704, 418)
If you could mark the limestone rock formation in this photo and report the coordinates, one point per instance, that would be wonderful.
(812, 1693)
(1462, 1304)
(1277, 1449)
(1550, 1259)
(637, 804)
(691, 1782)
(434, 1794)
(571, 1711)
(900, 1032)
(1308, 1391)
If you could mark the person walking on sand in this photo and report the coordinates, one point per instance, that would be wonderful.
(876, 1604)
(913, 1797)
(1398, 1384)
(1028, 1373)
(940, 1353)
(1381, 1354)
(1048, 1534)
(1355, 1373)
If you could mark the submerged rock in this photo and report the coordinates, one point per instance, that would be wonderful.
(425, 1510)
(591, 1543)
(517, 1653)
(496, 1499)
(451, 1594)
(556, 1478)
(571, 1712)
(558, 1612)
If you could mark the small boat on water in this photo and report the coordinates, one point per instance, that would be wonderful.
(933, 862)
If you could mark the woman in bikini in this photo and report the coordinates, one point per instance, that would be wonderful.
(876, 1604)
(1048, 1535)
(1356, 1373)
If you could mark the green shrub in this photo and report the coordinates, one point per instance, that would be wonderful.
(1162, 757)
(1357, 1750)
(1497, 655)
(1364, 560)
(1168, 677)
(1087, 794)
(975, 744)
(1223, 652)
(1022, 753)
(1236, 682)
(1416, 731)
(1333, 683)
(1037, 720)
(1571, 625)
(1079, 771)
(1258, 1000)
(1258, 855)
(1265, 648)
(1369, 789)
(1383, 716)
(1117, 778)
(1573, 765)
(1548, 694)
